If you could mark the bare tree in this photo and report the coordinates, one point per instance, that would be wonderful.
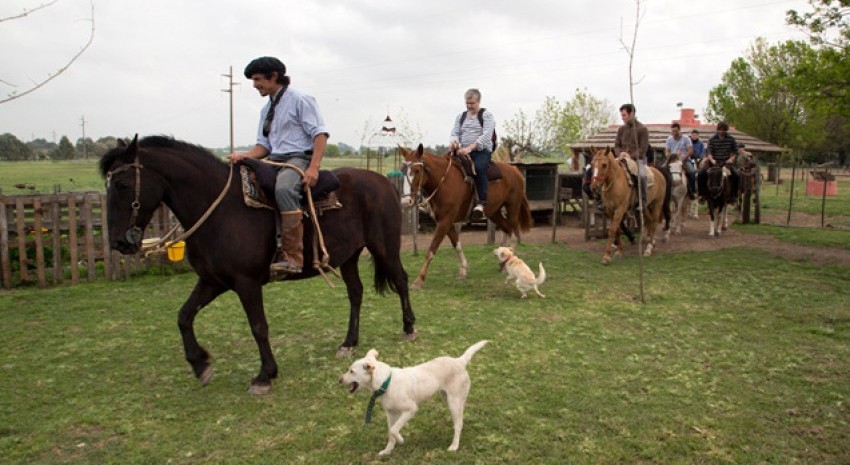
(14, 94)
(630, 49)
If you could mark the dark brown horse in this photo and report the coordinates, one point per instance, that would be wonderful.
(441, 180)
(233, 248)
(618, 197)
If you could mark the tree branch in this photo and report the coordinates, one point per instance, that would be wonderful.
(27, 12)
(38, 85)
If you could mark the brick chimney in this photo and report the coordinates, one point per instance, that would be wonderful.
(687, 118)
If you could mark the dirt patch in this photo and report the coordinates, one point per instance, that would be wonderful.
(694, 238)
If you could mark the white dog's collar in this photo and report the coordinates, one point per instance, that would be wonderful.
(378, 393)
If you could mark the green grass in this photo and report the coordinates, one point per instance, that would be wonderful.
(776, 200)
(801, 235)
(82, 175)
(737, 357)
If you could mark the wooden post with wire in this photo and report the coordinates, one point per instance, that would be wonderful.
(229, 90)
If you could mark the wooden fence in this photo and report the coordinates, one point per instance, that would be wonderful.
(60, 238)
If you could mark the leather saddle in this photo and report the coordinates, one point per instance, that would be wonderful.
(258, 180)
(465, 162)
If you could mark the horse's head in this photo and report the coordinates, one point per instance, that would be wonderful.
(132, 195)
(716, 181)
(415, 171)
(600, 166)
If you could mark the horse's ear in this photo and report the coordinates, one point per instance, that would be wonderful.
(132, 148)
(419, 151)
(121, 144)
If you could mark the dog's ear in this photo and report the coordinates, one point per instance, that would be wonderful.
(373, 353)
(368, 367)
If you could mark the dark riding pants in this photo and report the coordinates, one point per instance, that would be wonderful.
(481, 160)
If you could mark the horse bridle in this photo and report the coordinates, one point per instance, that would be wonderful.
(133, 234)
(415, 192)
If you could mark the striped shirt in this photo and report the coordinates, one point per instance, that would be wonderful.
(471, 131)
(721, 148)
(296, 123)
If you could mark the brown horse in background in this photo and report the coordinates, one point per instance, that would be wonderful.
(618, 197)
(442, 181)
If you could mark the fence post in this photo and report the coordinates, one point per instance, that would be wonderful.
(56, 228)
(22, 239)
(87, 219)
(37, 213)
(72, 239)
(5, 264)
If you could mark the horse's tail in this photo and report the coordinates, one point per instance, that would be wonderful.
(525, 220)
(668, 178)
(382, 279)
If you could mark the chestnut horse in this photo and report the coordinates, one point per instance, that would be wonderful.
(442, 181)
(618, 197)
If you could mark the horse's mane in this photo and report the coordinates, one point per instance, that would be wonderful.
(185, 149)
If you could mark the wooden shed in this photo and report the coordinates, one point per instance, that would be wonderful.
(658, 133)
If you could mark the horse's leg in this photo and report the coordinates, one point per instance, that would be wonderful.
(711, 219)
(250, 294)
(354, 287)
(507, 227)
(614, 235)
(725, 217)
(389, 263)
(439, 233)
(454, 237)
(203, 293)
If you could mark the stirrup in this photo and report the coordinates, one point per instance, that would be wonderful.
(284, 266)
(478, 213)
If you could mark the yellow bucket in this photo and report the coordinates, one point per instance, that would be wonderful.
(175, 250)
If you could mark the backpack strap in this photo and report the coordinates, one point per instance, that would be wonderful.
(481, 116)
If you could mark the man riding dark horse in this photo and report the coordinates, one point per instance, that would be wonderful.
(721, 151)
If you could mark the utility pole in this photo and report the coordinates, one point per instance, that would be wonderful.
(85, 150)
(229, 90)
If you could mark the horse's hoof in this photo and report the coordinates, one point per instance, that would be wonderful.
(345, 352)
(408, 337)
(206, 375)
(417, 285)
(259, 389)
(606, 261)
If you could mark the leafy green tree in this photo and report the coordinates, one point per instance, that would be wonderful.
(757, 95)
(65, 150)
(332, 151)
(12, 149)
(556, 125)
(824, 75)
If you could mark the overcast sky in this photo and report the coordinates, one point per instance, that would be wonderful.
(155, 66)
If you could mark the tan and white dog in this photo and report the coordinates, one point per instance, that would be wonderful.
(401, 390)
(519, 271)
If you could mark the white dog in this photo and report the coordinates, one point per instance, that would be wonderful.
(519, 271)
(402, 389)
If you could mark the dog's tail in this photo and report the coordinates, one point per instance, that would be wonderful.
(541, 275)
(467, 356)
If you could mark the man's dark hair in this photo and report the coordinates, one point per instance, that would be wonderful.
(722, 126)
(266, 66)
(675, 125)
(695, 131)
(630, 109)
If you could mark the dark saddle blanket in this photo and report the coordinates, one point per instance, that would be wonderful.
(258, 180)
(465, 162)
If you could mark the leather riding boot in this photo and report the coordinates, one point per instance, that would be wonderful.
(292, 250)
